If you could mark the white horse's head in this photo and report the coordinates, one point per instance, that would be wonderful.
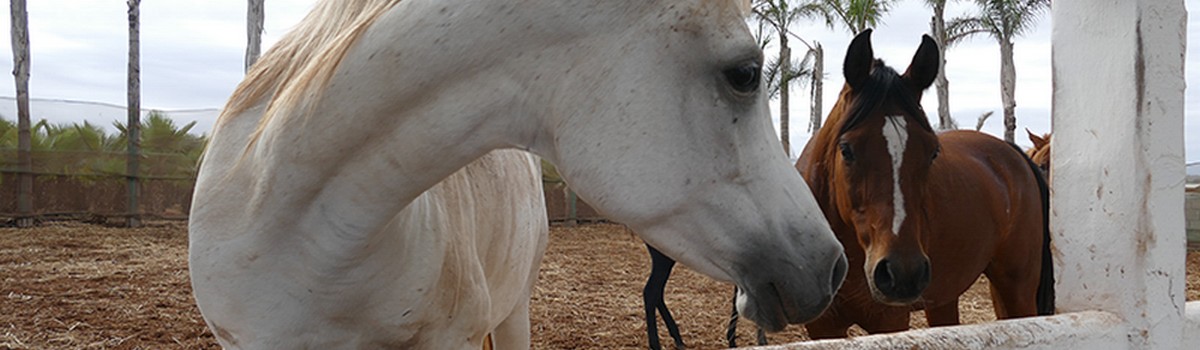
(655, 115)
(653, 110)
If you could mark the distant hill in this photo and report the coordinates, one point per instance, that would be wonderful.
(102, 114)
(1193, 171)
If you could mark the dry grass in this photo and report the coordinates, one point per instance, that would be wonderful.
(71, 285)
(79, 286)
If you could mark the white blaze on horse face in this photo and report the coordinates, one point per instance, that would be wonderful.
(896, 135)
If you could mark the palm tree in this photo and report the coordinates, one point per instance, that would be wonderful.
(781, 73)
(937, 26)
(8, 143)
(817, 86)
(20, 46)
(87, 146)
(135, 108)
(69, 148)
(855, 15)
(168, 149)
(8, 134)
(1002, 20)
(254, 30)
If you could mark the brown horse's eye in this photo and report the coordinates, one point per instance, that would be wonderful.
(936, 152)
(847, 153)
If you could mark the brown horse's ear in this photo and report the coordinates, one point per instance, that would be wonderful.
(859, 58)
(924, 67)
(1038, 141)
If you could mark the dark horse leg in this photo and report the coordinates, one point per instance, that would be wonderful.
(731, 330)
(652, 295)
(942, 315)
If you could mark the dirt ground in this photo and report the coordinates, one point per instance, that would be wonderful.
(78, 286)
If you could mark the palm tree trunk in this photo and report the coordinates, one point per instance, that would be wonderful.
(938, 26)
(785, 67)
(20, 46)
(1008, 79)
(254, 29)
(134, 128)
(818, 86)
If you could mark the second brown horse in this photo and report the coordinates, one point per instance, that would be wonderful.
(921, 214)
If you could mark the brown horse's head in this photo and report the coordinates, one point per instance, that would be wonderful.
(884, 150)
(1040, 153)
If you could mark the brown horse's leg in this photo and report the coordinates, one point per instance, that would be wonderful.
(942, 315)
(827, 326)
(1014, 294)
(890, 321)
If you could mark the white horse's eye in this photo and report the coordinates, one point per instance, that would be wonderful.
(744, 78)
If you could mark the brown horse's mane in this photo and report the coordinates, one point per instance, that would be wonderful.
(883, 83)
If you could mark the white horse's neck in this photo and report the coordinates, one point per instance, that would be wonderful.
(397, 117)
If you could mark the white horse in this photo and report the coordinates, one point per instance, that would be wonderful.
(319, 222)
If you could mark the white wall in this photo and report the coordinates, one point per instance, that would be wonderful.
(1117, 212)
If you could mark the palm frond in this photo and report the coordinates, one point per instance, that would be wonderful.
(1006, 19)
(963, 28)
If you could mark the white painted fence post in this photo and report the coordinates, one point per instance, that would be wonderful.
(1117, 214)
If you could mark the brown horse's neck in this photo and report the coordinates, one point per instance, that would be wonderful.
(821, 145)
(814, 164)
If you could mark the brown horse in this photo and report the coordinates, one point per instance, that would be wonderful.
(923, 214)
(1040, 153)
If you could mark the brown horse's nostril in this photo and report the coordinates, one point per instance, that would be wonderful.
(884, 278)
(901, 280)
(924, 276)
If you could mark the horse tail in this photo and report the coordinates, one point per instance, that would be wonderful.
(1045, 289)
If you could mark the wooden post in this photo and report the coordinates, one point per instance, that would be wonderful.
(572, 209)
(20, 46)
(254, 29)
(134, 128)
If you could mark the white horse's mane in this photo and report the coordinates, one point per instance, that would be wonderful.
(297, 68)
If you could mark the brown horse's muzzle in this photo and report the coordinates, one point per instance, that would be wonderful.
(899, 280)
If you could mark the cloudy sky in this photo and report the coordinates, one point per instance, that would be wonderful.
(192, 54)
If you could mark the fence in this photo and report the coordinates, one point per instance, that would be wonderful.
(1192, 214)
(93, 185)
(563, 206)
